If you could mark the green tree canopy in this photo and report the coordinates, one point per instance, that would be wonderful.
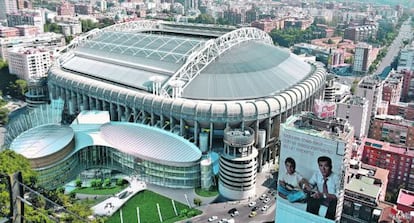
(10, 163)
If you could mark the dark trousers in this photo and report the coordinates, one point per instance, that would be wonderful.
(314, 205)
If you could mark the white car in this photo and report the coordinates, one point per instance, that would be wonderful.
(264, 208)
(224, 220)
(253, 203)
(212, 218)
(236, 213)
(263, 196)
(266, 200)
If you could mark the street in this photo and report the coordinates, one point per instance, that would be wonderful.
(394, 48)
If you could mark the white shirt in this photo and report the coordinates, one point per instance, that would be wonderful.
(292, 179)
(332, 183)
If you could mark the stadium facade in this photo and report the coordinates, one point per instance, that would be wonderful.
(193, 80)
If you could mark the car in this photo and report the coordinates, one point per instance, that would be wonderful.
(224, 220)
(264, 208)
(263, 196)
(254, 208)
(231, 211)
(212, 218)
(252, 214)
(234, 214)
(266, 200)
(253, 203)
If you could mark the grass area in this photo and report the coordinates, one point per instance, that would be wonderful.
(206, 193)
(147, 203)
(101, 191)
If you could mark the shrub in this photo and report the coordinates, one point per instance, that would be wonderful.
(78, 183)
(183, 212)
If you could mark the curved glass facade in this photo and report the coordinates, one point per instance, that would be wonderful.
(96, 157)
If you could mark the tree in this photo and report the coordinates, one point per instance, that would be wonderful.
(21, 86)
(10, 163)
(3, 64)
(78, 183)
(204, 18)
(107, 182)
(4, 115)
(88, 25)
(120, 182)
(99, 183)
(197, 201)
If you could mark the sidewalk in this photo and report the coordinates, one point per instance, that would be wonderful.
(109, 206)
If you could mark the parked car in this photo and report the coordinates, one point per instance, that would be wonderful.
(264, 208)
(253, 203)
(231, 211)
(212, 218)
(266, 200)
(252, 214)
(234, 214)
(254, 208)
(263, 196)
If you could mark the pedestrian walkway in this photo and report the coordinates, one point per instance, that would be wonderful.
(109, 206)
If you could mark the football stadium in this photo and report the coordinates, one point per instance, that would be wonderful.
(226, 90)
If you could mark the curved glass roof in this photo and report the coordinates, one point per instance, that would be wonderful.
(250, 70)
(42, 141)
(150, 143)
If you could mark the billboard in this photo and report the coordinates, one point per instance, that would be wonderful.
(310, 184)
(324, 109)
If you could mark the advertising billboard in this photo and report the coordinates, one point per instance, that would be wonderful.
(324, 109)
(310, 184)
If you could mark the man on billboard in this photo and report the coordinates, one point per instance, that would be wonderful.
(323, 187)
(290, 184)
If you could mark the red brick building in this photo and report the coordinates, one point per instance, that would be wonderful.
(405, 110)
(66, 8)
(393, 129)
(398, 160)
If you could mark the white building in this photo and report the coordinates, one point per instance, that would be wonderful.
(309, 140)
(29, 63)
(406, 61)
(355, 110)
(103, 5)
(362, 59)
(238, 164)
(7, 6)
(50, 41)
(370, 88)
(69, 29)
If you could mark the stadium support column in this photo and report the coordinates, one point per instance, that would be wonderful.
(182, 127)
(79, 101)
(119, 112)
(99, 104)
(195, 132)
(261, 146)
(211, 135)
(112, 111)
(127, 114)
(85, 102)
